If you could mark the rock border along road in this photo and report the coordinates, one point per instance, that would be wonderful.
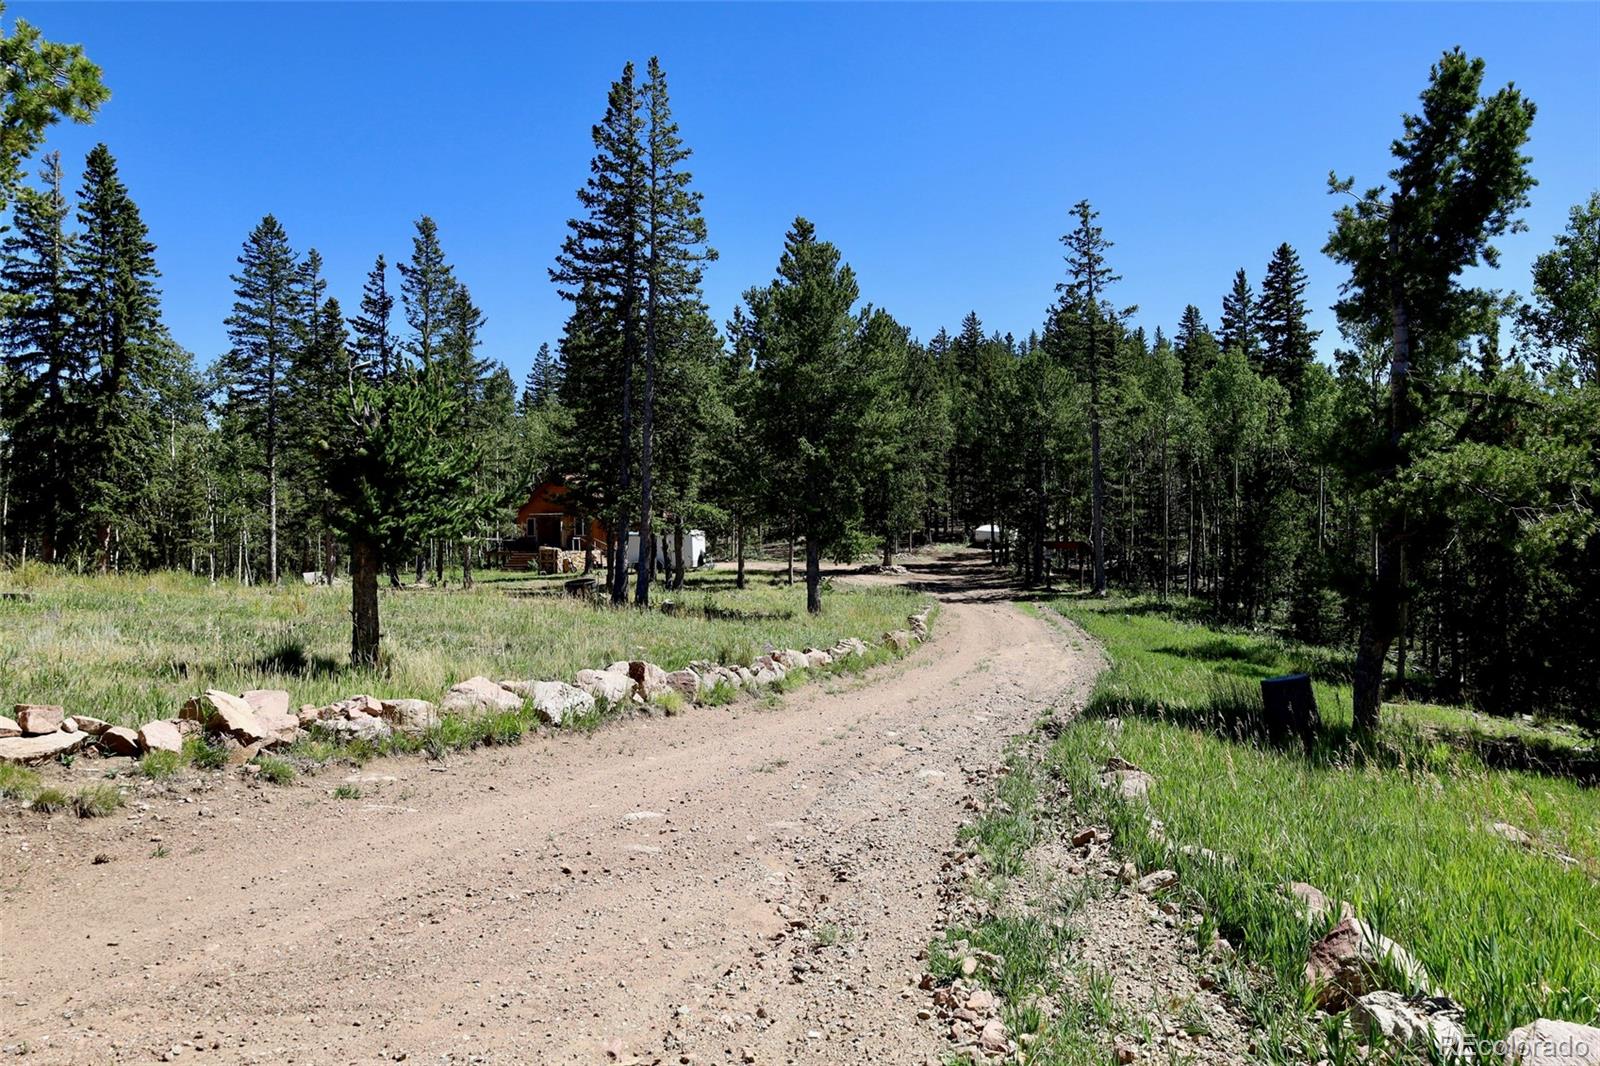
(749, 883)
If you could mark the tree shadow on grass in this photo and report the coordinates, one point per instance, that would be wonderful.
(290, 657)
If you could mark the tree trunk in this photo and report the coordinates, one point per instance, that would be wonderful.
(364, 634)
(738, 536)
(466, 564)
(677, 578)
(813, 576)
(1383, 618)
(1097, 499)
(272, 507)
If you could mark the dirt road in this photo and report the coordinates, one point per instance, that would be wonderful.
(748, 883)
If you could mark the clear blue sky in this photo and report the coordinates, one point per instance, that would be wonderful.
(939, 146)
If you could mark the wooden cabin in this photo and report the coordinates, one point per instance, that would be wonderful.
(553, 517)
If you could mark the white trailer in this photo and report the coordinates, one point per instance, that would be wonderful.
(694, 548)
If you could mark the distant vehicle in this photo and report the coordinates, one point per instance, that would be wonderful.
(984, 536)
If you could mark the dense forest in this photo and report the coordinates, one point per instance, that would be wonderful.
(1428, 497)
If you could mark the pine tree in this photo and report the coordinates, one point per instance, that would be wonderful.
(43, 360)
(374, 344)
(543, 383)
(1460, 178)
(127, 354)
(1287, 343)
(396, 469)
(44, 82)
(1083, 310)
(600, 270)
(813, 397)
(675, 254)
(1197, 348)
(263, 331)
(427, 284)
(1240, 329)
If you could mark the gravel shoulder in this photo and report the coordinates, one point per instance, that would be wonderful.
(747, 883)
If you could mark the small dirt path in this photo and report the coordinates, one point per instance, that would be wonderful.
(750, 884)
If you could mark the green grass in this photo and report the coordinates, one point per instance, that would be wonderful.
(347, 792)
(90, 801)
(275, 770)
(97, 801)
(157, 765)
(132, 648)
(1397, 826)
(51, 799)
(18, 782)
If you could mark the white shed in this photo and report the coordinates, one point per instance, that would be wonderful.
(986, 535)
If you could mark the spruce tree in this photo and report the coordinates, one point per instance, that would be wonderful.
(374, 343)
(1085, 332)
(427, 284)
(263, 329)
(675, 254)
(318, 374)
(44, 360)
(1196, 347)
(600, 270)
(543, 382)
(813, 396)
(127, 354)
(1287, 343)
(1240, 329)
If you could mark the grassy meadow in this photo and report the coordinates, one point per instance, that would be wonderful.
(1400, 826)
(132, 648)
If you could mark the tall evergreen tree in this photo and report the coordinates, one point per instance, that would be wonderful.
(813, 396)
(543, 382)
(263, 329)
(675, 254)
(1460, 178)
(43, 360)
(1084, 311)
(1240, 327)
(125, 347)
(1196, 347)
(374, 342)
(600, 269)
(1287, 342)
(427, 284)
